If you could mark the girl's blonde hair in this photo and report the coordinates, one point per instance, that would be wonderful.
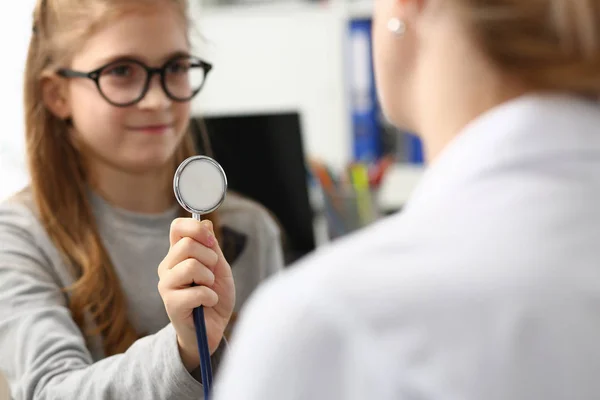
(551, 45)
(58, 177)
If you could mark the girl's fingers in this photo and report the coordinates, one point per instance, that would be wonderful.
(187, 227)
(185, 249)
(182, 302)
(186, 273)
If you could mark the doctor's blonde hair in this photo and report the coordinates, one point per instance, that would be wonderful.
(550, 44)
(58, 175)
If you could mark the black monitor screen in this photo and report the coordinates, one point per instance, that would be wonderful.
(264, 160)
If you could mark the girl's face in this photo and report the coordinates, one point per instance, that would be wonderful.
(140, 137)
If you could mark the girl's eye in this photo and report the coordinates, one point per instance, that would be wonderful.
(179, 67)
(120, 71)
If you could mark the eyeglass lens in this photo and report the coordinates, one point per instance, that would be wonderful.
(124, 82)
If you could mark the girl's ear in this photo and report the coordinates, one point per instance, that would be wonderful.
(55, 96)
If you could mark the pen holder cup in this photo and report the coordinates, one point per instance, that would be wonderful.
(348, 211)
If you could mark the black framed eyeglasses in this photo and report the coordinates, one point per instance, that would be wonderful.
(125, 82)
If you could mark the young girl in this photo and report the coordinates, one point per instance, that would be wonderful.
(107, 92)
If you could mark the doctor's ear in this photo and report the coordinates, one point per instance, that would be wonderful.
(407, 11)
(55, 96)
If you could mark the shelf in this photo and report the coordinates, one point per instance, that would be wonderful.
(352, 9)
(264, 8)
(398, 185)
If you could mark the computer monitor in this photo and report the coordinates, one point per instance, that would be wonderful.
(264, 159)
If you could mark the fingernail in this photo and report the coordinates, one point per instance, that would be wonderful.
(208, 224)
(211, 240)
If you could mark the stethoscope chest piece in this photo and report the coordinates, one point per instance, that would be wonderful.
(200, 185)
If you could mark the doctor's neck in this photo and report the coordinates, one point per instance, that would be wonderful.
(456, 83)
(472, 58)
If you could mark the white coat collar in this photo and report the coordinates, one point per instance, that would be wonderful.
(514, 132)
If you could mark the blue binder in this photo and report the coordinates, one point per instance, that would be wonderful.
(414, 149)
(366, 129)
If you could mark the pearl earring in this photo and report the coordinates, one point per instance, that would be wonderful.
(397, 26)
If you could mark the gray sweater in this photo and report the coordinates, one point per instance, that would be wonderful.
(43, 354)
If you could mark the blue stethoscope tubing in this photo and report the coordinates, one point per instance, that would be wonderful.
(202, 339)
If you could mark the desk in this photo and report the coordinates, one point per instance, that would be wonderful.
(396, 188)
(398, 185)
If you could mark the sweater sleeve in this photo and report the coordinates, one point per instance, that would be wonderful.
(42, 351)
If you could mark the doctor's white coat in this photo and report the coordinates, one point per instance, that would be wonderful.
(487, 286)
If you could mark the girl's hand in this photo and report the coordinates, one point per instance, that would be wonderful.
(195, 257)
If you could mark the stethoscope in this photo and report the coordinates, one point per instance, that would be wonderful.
(200, 185)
